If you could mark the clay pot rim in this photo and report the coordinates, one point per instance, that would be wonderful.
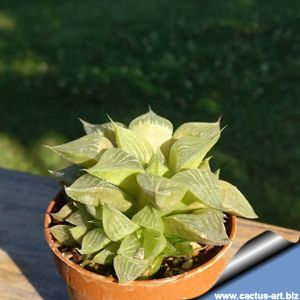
(161, 281)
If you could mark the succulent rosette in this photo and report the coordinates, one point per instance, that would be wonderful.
(138, 194)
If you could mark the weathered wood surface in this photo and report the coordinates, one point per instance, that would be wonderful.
(27, 270)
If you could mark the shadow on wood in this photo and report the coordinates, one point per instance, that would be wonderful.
(27, 270)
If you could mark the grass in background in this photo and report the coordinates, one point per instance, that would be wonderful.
(190, 60)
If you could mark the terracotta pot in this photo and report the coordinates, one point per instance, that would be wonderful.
(85, 285)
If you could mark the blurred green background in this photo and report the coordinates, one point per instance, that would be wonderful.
(190, 60)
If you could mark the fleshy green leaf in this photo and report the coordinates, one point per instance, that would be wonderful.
(150, 218)
(157, 165)
(62, 234)
(103, 128)
(79, 218)
(203, 185)
(94, 211)
(67, 175)
(194, 140)
(119, 168)
(89, 127)
(154, 266)
(84, 151)
(64, 212)
(131, 246)
(162, 192)
(187, 153)
(134, 144)
(188, 248)
(96, 223)
(189, 203)
(107, 255)
(180, 247)
(205, 164)
(116, 225)
(234, 201)
(78, 233)
(206, 227)
(149, 245)
(206, 131)
(94, 241)
(173, 239)
(169, 250)
(128, 269)
(165, 148)
(154, 128)
(91, 190)
(154, 243)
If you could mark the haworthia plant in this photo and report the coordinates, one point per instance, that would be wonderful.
(140, 193)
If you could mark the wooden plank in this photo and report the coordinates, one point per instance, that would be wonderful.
(247, 230)
(26, 268)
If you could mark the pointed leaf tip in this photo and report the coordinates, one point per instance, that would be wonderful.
(85, 150)
(64, 212)
(235, 202)
(154, 128)
(67, 175)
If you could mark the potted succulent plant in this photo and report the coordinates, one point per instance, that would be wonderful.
(141, 213)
